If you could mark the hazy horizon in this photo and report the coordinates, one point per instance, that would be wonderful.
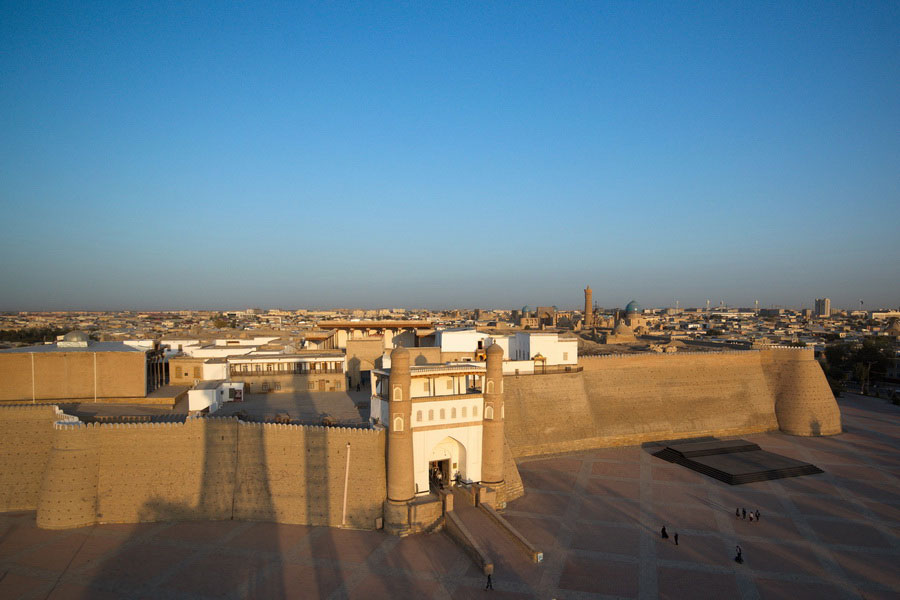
(497, 155)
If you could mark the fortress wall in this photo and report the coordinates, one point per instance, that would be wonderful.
(630, 399)
(804, 403)
(211, 468)
(546, 413)
(653, 397)
(26, 436)
(296, 474)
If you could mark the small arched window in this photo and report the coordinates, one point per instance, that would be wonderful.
(398, 393)
(398, 423)
(419, 416)
(443, 414)
(453, 413)
(489, 412)
(503, 410)
(475, 411)
(490, 386)
(431, 415)
(464, 409)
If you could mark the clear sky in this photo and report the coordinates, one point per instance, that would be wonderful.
(191, 154)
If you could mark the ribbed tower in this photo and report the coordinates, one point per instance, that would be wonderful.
(492, 426)
(588, 308)
(401, 486)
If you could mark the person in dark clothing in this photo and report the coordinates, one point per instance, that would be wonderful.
(664, 534)
(676, 538)
(743, 513)
(490, 584)
(740, 557)
(737, 513)
(357, 387)
(757, 514)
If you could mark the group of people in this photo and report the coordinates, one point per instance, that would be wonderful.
(665, 535)
(741, 513)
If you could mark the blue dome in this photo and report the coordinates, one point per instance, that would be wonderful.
(632, 307)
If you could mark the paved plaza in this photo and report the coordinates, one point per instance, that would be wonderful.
(595, 515)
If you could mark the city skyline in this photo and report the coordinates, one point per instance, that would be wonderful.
(367, 156)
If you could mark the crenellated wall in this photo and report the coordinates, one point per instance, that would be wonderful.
(211, 468)
(634, 398)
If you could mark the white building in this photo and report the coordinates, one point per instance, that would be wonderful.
(446, 420)
(213, 394)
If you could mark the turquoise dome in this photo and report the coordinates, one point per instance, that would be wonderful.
(632, 307)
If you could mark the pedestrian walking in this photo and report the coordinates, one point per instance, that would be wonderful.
(737, 513)
(743, 513)
(757, 514)
(490, 584)
(676, 538)
(751, 516)
(740, 557)
(664, 534)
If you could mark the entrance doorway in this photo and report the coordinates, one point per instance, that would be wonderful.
(439, 474)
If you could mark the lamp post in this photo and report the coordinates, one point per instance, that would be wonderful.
(346, 481)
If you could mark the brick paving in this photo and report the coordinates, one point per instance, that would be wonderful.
(596, 516)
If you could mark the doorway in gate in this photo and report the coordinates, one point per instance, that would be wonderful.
(439, 473)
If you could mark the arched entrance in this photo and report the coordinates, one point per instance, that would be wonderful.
(446, 461)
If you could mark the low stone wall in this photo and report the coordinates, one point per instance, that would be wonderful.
(212, 468)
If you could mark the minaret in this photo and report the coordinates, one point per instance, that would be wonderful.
(492, 425)
(401, 487)
(588, 309)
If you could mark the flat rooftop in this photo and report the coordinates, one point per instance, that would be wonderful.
(92, 347)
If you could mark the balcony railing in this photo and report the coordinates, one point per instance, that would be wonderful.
(275, 373)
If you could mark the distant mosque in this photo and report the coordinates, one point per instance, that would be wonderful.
(624, 330)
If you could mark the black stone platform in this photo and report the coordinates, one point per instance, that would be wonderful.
(735, 461)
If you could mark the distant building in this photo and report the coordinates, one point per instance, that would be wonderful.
(78, 368)
(823, 307)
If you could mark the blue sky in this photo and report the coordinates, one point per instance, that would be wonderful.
(425, 154)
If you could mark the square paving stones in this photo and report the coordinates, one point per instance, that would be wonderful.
(599, 576)
(676, 583)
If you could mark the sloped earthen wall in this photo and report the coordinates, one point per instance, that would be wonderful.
(630, 399)
(804, 403)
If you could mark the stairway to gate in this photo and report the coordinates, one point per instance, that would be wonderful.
(510, 562)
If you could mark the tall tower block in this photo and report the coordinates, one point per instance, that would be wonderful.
(492, 426)
(588, 308)
(400, 477)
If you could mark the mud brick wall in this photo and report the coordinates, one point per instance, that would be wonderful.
(211, 468)
(70, 375)
(804, 403)
(296, 474)
(630, 399)
(26, 436)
